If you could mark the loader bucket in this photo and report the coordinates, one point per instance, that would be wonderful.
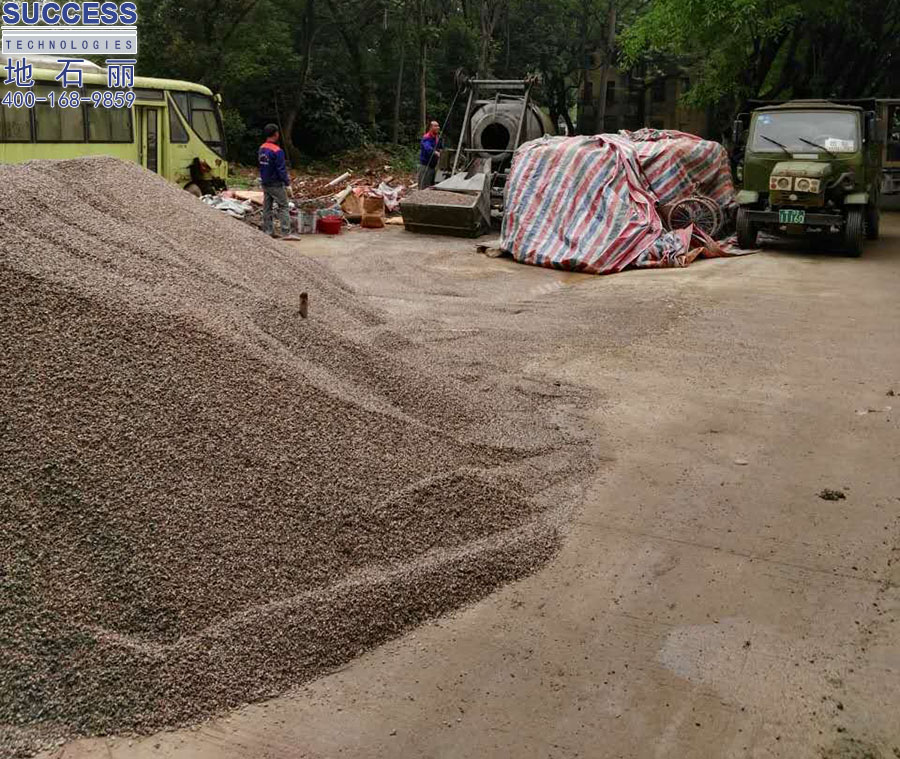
(459, 206)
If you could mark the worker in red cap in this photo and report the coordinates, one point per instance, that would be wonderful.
(429, 154)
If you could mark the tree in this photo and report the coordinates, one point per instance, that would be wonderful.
(777, 49)
(490, 13)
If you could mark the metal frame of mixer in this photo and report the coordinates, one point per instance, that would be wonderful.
(501, 89)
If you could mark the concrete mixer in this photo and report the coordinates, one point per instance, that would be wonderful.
(499, 118)
(494, 127)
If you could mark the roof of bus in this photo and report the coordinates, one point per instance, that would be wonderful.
(143, 82)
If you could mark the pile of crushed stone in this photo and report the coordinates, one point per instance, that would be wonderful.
(206, 499)
(441, 197)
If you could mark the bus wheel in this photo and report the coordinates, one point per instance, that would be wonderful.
(194, 190)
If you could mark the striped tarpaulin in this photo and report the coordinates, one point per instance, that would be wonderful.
(586, 204)
(677, 165)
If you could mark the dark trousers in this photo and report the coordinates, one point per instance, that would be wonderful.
(426, 176)
(276, 194)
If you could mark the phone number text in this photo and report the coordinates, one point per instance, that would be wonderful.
(70, 99)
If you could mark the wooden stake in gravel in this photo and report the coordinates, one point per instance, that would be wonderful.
(304, 305)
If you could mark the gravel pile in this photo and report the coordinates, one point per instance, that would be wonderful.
(206, 499)
(441, 198)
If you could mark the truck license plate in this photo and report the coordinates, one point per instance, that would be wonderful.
(790, 216)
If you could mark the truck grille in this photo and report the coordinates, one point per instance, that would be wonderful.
(808, 199)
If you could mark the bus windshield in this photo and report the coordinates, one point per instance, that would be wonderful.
(202, 113)
(806, 132)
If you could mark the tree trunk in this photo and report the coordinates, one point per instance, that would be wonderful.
(287, 135)
(290, 121)
(490, 15)
(570, 127)
(608, 60)
(398, 94)
(585, 96)
(371, 100)
(423, 68)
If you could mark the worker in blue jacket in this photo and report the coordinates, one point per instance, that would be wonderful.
(276, 183)
(429, 155)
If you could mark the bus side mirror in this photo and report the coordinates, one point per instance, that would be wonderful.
(218, 97)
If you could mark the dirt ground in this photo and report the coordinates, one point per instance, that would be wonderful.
(708, 600)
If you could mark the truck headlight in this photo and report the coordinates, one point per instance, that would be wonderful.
(802, 185)
(782, 184)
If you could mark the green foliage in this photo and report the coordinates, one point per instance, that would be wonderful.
(329, 69)
(738, 49)
(328, 125)
(237, 136)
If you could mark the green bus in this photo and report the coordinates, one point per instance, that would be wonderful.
(173, 129)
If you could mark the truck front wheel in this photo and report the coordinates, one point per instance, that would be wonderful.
(854, 231)
(746, 230)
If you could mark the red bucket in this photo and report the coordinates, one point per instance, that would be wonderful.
(330, 225)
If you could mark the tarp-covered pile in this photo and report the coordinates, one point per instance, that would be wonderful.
(592, 203)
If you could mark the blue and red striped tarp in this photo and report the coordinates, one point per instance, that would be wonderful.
(678, 165)
(591, 203)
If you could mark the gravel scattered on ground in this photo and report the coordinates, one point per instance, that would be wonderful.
(832, 495)
(206, 499)
(440, 197)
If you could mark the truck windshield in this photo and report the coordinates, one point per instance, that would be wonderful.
(832, 131)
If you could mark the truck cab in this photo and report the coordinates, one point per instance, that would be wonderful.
(810, 167)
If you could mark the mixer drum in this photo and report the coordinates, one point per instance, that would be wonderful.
(494, 127)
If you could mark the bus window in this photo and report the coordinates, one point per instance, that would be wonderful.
(109, 124)
(181, 100)
(145, 94)
(206, 122)
(177, 131)
(15, 123)
(57, 124)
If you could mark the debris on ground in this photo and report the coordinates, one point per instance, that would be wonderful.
(491, 251)
(254, 196)
(832, 495)
(342, 178)
(870, 410)
(349, 198)
(316, 196)
(208, 499)
(236, 208)
(372, 212)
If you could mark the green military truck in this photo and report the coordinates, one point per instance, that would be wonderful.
(810, 167)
